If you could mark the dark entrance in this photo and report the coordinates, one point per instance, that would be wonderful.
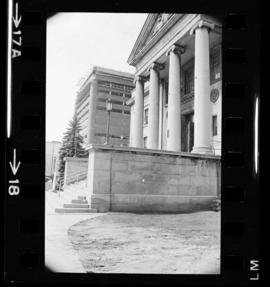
(188, 136)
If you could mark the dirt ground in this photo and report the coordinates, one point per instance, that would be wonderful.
(149, 243)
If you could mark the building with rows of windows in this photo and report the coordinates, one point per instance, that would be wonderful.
(176, 104)
(101, 85)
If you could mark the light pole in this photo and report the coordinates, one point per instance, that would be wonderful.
(109, 109)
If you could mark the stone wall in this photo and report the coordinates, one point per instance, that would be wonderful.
(141, 180)
(74, 166)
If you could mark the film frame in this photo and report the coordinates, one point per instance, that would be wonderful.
(24, 212)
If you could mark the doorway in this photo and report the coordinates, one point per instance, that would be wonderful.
(189, 131)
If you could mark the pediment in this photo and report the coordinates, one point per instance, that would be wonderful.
(152, 26)
(160, 21)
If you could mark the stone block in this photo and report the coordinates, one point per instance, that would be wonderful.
(186, 161)
(156, 204)
(102, 175)
(186, 190)
(100, 202)
(119, 165)
(120, 176)
(140, 165)
(164, 168)
(124, 156)
(187, 170)
(102, 163)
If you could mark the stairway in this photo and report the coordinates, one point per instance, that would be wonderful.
(78, 205)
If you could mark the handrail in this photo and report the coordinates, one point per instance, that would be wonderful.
(78, 173)
(74, 177)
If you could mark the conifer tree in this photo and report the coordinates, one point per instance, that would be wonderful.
(71, 147)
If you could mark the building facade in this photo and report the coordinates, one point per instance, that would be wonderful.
(52, 157)
(101, 85)
(176, 104)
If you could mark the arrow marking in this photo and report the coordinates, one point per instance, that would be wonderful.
(14, 166)
(16, 20)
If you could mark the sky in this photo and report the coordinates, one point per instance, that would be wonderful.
(75, 41)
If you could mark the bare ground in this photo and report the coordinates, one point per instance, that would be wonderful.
(149, 243)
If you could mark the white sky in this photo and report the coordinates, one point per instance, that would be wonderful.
(75, 41)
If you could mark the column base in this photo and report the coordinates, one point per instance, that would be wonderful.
(203, 150)
(137, 145)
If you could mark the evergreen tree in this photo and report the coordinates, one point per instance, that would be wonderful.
(71, 147)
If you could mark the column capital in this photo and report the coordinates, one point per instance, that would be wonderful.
(202, 24)
(176, 49)
(156, 66)
(139, 78)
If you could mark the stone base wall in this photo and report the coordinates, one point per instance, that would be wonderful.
(141, 180)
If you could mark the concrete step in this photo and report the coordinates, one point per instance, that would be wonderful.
(75, 210)
(76, 205)
(81, 197)
(79, 201)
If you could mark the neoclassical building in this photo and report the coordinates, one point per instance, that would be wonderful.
(172, 163)
(176, 103)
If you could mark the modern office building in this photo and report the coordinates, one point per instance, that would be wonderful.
(177, 101)
(99, 86)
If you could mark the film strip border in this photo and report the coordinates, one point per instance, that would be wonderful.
(25, 148)
(240, 194)
(25, 153)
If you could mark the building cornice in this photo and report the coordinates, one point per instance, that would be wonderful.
(145, 151)
(150, 20)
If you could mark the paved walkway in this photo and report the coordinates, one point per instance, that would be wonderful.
(59, 253)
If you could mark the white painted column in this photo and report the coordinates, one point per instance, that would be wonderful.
(132, 124)
(202, 104)
(174, 99)
(153, 125)
(137, 136)
(161, 95)
(91, 114)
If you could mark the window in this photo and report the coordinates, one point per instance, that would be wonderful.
(214, 125)
(104, 83)
(118, 86)
(189, 80)
(145, 142)
(129, 88)
(146, 111)
(215, 65)
(117, 94)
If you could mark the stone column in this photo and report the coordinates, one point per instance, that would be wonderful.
(202, 104)
(174, 99)
(92, 108)
(137, 137)
(154, 106)
(132, 123)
